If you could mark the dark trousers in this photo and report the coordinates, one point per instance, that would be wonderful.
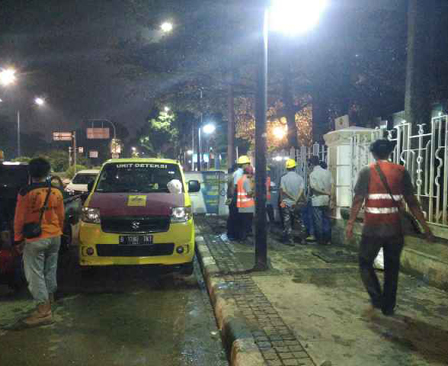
(307, 218)
(321, 223)
(246, 224)
(233, 223)
(368, 250)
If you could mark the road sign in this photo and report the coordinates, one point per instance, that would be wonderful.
(62, 136)
(93, 154)
(98, 133)
(80, 149)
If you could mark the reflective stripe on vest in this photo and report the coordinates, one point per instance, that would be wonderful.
(242, 199)
(381, 210)
(384, 196)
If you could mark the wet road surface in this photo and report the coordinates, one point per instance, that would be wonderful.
(115, 316)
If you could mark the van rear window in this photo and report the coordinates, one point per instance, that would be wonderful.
(137, 177)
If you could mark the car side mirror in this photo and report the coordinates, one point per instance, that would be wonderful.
(194, 186)
(90, 185)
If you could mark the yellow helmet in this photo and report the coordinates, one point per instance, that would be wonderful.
(290, 163)
(243, 159)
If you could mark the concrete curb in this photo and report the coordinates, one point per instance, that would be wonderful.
(237, 338)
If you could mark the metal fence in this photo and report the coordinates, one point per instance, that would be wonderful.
(423, 151)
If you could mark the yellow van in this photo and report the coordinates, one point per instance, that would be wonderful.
(138, 212)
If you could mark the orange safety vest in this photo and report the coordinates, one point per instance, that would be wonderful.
(242, 199)
(268, 188)
(379, 207)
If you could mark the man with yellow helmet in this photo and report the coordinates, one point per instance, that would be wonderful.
(291, 192)
(234, 229)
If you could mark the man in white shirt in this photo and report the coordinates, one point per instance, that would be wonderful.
(321, 183)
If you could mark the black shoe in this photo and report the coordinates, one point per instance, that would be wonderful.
(388, 312)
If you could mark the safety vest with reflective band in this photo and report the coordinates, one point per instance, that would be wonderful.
(379, 206)
(243, 199)
(268, 188)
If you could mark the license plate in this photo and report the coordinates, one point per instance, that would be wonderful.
(136, 239)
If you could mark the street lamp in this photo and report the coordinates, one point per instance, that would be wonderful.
(292, 16)
(39, 101)
(166, 27)
(208, 129)
(7, 76)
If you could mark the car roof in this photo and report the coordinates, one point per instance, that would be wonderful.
(88, 171)
(142, 160)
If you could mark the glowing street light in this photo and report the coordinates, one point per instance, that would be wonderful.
(190, 152)
(209, 128)
(7, 77)
(295, 16)
(39, 101)
(279, 132)
(166, 109)
(166, 27)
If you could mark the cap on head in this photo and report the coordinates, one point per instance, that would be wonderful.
(243, 159)
(290, 164)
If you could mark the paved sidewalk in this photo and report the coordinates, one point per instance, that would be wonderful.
(311, 308)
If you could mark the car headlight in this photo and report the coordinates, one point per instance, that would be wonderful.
(180, 214)
(91, 215)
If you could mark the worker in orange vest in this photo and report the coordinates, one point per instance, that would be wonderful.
(381, 187)
(245, 202)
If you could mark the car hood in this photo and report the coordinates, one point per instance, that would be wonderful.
(136, 204)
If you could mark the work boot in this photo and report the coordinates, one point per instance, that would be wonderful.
(311, 238)
(41, 316)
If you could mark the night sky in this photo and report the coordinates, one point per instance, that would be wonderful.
(61, 49)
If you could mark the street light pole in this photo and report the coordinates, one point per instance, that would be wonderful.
(18, 133)
(261, 248)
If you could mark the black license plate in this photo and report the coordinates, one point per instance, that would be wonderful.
(136, 239)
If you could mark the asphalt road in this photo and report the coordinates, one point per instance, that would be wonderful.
(115, 316)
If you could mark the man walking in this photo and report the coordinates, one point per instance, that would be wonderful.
(321, 183)
(382, 228)
(40, 254)
(291, 192)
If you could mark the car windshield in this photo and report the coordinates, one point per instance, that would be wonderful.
(83, 178)
(137, 177)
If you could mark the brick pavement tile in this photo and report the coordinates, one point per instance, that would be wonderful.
(270, 355)
(306, 362)
(297, 348)
(286, 355)
(282, 349)
(275, 363)
(291, 362)
(275, 337)
(259, 333)
(264, 345)
(278, 344)
(262, 338)
(300, 355)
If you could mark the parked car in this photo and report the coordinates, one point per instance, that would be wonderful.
(138, 212)
(78, 184)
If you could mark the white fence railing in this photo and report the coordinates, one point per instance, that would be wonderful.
(423, 151)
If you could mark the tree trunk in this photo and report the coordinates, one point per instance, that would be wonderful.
(321, 117)
(418, 69)
(290, 112)
(231, 123)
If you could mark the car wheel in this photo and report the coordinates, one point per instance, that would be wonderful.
(187, 269)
